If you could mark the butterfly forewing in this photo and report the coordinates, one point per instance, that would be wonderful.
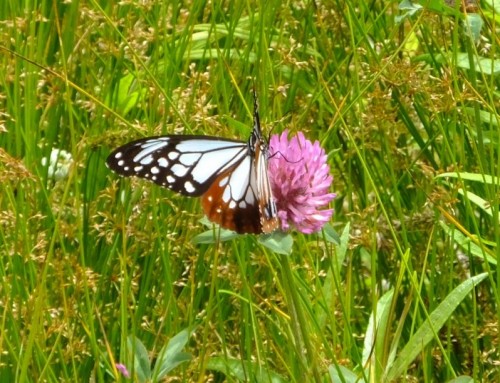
(185, 164)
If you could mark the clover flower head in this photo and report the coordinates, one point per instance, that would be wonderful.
(300, 179)
(122, 369)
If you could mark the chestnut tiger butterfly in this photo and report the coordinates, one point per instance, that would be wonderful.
(229, 175)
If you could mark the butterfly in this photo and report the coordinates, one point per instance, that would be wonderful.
(230, 176)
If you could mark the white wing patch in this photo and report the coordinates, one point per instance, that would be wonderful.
(145, 160)
(163, 162)
(238, 183)
(220, 159)
(148, 148)
(179, 170)
(239, 186)
(205, 145)
(189, 159)
(189, 187)
(173, 155)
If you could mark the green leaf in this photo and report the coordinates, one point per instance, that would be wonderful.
(278, 242)
(478, 177)
(431, 326)
(204, 53)
(128, 94)
(440, 7)
(342, 374)
(373, 351)
(461, 379)
(244, 371)
(341, 249)
(468, 246)
(171, 355)
(481, 64)
(493, 5)
(476, 200)
(473, 25)
(142, 367)
(213, 236)
(330, 234)
(408, 9)
(485, 116)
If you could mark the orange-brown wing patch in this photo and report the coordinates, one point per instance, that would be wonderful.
(231, 200)
(268, 222)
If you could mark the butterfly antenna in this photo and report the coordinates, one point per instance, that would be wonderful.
(286, 159)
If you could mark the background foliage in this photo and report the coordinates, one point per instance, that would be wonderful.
(99, 274)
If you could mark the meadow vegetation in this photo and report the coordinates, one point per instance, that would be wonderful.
(103, 277)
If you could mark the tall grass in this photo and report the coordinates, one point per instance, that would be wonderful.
(99, 273)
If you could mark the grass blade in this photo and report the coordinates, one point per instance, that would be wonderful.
(429, 329)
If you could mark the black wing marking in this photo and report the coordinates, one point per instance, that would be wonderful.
(186, 164)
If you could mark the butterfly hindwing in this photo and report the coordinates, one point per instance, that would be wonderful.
(241, 199)
(232, 199)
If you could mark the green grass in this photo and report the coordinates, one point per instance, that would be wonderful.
(96, 270)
